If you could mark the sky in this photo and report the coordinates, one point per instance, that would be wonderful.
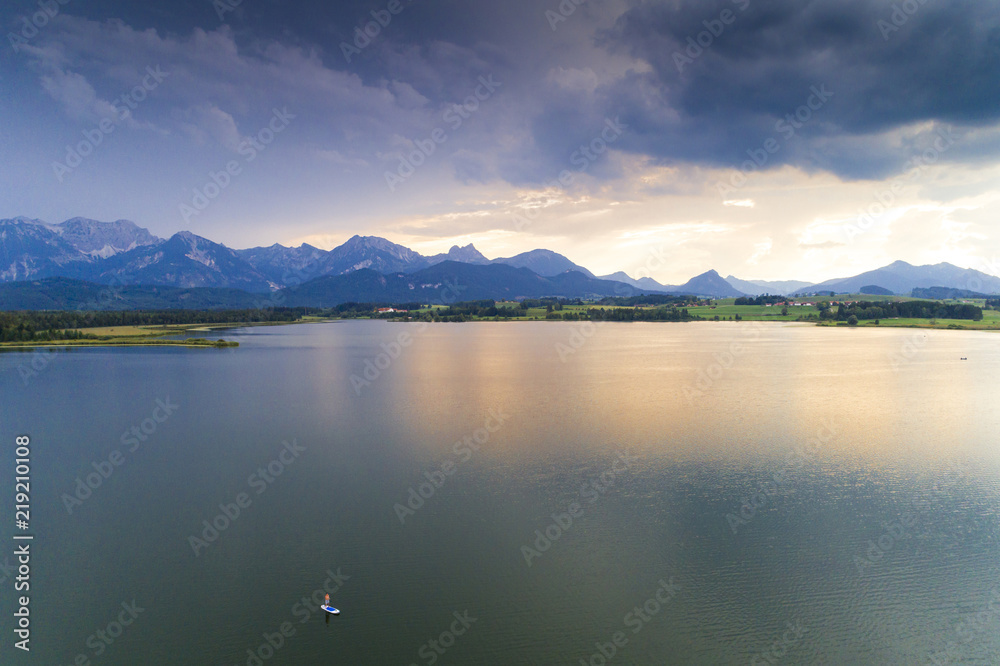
(769, 139)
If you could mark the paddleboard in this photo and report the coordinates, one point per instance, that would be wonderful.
(331, 610)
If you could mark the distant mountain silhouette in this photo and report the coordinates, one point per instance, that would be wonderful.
(902, 278)
(450, 282)
(466, 255)
(709, 284)
(773, 287)
(122, 253)
(544, 262)
(184, 260)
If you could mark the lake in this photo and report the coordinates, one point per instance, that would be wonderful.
(513, 493)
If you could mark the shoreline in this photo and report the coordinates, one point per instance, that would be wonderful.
(193, 343)
(153, 338)
(949, 325)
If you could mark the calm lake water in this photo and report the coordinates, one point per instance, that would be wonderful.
(703, 493)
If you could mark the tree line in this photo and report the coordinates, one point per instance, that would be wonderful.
(868, 310)
(53, 321)
(18, 330)
(635, 314)
(481, 309)
(487, 309)
(763, 299)
(649, 299)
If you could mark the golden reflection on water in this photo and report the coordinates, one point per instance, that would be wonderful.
(731, 392)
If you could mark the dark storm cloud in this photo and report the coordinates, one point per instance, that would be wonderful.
(889, 65)
(716, 104)
(942, 62)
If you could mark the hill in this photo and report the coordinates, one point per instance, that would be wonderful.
(946, 293)
(760, 287)
(544, 262)
(710, 285)
(69, 294)
(902, 278)
(449, 282)
(186, 261)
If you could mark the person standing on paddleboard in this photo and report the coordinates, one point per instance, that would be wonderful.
(327, 603)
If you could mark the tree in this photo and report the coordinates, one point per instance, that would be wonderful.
(852, 321)
(784, 311)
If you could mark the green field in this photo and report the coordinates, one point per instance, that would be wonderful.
(990, 322)
(727, 310)
(530, 314)
(128, 331)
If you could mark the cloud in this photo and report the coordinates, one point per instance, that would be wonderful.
(616, 59)
(71, 90)
(760, 250)
(825, 245)
(215, 85)
(688, 127)
(210, 122)
(74, 92)
(766, 64)
(336, 157)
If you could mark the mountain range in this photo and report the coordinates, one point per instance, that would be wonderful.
(123, 255)
(901, 277)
